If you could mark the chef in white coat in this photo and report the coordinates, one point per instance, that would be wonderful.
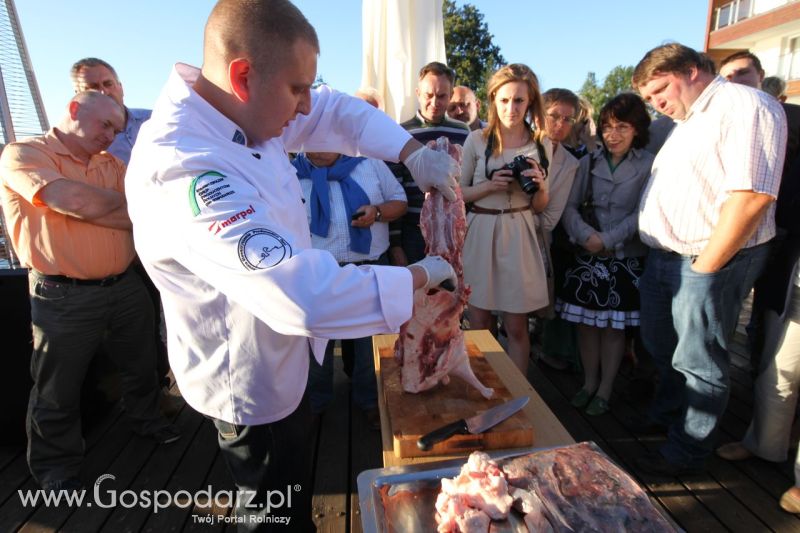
(220, 226)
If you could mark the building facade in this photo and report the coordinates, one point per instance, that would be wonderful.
(768, 28)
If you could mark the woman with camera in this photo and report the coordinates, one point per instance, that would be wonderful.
(502, 176)
(599, 290)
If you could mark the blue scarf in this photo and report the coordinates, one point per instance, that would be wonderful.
(354, 197)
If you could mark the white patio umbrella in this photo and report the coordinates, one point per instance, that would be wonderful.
(398, 38)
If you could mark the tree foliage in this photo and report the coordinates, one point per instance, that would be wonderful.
(469, 47)
(617, 81)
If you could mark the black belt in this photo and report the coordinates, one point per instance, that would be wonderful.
(105, 282)
(359, 263)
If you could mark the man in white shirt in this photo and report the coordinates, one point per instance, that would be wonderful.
(708, 214)
(219, 224)
(349, 202)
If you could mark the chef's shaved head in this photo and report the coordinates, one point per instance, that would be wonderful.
(261, 31)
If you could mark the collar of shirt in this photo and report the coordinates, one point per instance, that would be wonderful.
(55, 144)
(135, 117)
(702, 101)
(180, 91)
(427, 122)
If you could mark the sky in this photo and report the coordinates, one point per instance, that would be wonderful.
(560, 41)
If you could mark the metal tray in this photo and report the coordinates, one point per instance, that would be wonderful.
(371, 481)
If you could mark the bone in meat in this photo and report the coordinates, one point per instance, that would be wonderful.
(430, 346)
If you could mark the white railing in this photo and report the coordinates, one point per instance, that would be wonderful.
(739, 10)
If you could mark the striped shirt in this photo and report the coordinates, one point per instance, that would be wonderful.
(732, 139)
(423, 131)
(50, 241)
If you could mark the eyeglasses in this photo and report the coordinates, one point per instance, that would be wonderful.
(555, 117)
(621, 128)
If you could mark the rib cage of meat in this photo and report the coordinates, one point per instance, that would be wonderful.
(431, 347)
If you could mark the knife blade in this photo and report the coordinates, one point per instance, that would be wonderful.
(475, 424)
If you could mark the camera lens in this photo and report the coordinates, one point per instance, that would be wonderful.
(528, 185)
(517, 166)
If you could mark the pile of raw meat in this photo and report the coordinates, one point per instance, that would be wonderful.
(574, 488)
(430, 347)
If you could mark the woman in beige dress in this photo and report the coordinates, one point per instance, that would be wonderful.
(502, 258)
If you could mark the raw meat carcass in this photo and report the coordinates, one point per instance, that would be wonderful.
(431, 344)
(567, 489)
(471, 500)
(576, 488)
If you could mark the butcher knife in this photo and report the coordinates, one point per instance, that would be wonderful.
(475, 424)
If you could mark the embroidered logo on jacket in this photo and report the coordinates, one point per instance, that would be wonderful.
(262, 248)
(208, 188)
(217, 226)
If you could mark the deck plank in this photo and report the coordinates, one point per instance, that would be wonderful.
(156, 474)
(191, 471)
(330, 505)
(365, 454)
(219, 479)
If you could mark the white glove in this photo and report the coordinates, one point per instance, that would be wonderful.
(433, 170)
(438, 270)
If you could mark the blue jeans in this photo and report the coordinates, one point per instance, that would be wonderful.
(688, 319)
(320, 379)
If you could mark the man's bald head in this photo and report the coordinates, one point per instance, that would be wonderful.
(93, 120)
(261, 31)
(93, 102)
(463, 105)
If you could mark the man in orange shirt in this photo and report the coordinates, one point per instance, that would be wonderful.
(65, 206)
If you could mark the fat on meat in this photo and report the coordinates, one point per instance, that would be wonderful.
(479, 489)
(430, 347)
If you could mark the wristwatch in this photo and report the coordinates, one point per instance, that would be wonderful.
(378, 214)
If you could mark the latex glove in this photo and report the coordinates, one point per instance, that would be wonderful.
(433, 170)
(438, 270)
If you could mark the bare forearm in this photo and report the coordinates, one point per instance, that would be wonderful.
(741, 214)
(474, 193)
(80, 200)
(419, 278)
(411, 146)
(540, 200)
(116, 219)
(393, 209)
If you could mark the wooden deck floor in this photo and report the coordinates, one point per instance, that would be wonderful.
(345, 447)
(730, 497)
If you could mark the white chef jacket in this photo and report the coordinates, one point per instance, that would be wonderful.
(222, 232)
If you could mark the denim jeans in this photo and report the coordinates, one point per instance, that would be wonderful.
(271, 465)
(69, 324)
(358, 364)
(364, 389)
(688, 319)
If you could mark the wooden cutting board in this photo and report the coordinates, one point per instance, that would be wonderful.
(413, 415)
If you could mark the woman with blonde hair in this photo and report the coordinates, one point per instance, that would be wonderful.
(503, 174)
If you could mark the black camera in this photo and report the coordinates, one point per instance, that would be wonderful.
(516, 167)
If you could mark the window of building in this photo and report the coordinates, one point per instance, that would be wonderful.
(793, 56)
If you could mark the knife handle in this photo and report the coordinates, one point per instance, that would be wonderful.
(438, 435)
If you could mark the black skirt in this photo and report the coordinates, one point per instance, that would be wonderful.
(600, 291)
